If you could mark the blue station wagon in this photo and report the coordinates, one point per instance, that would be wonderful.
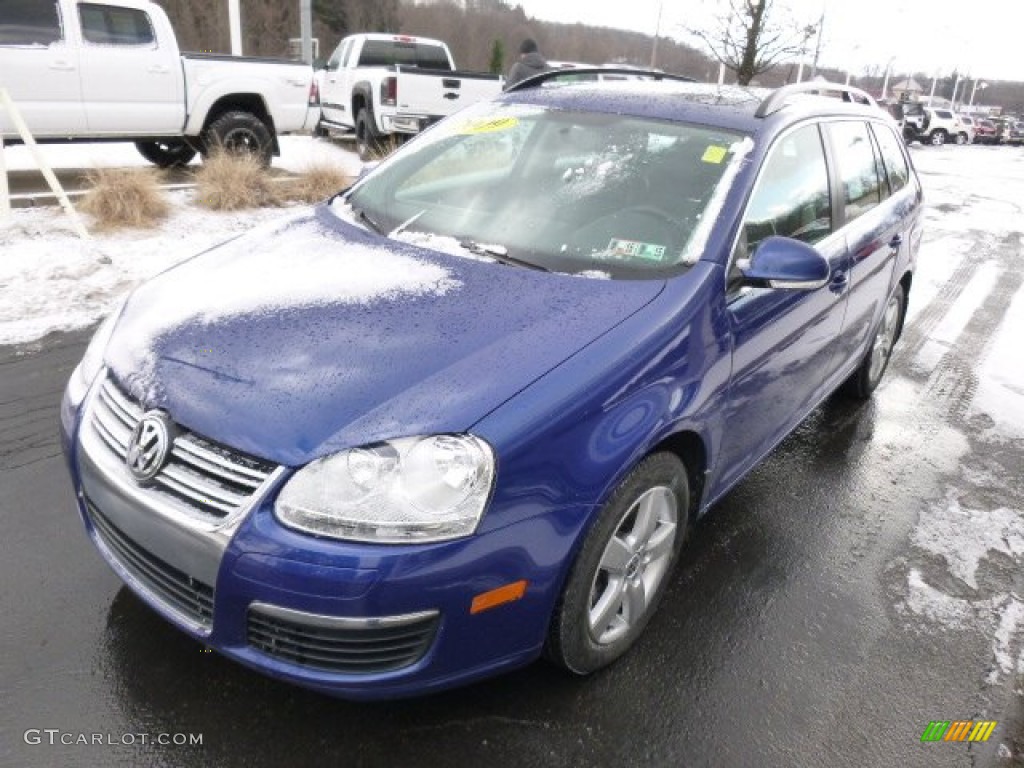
(465, 413)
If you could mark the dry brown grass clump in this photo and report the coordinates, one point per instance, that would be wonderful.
(229, 181)
(318, 182)
(125, 197)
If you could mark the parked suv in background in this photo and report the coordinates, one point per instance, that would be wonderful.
(944, 125)
(467, 412)
(1014, 133)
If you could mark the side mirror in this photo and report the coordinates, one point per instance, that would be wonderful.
(781, 262)
(319, 64)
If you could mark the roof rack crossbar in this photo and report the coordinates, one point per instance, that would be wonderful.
(778, 98)
(553, 74)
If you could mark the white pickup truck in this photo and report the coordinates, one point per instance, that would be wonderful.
(111, 70)
(380, 86)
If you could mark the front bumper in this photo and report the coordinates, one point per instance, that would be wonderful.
(354, 620)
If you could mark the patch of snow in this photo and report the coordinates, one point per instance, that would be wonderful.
(51, 280)
(935, 605)
(442, 243)
(965, 537)
(948, 331)
(1011, 619)
(1000, 391)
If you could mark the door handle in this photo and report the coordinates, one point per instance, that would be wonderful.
(61, 64)
(840, 281)
(332, 79)
(897, 241)
(159, 69)
(451, 96)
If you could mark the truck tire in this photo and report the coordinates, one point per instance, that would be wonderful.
(240, 132)
(368, 145)
(166, 153)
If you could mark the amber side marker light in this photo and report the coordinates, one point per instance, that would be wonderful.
(499, 596)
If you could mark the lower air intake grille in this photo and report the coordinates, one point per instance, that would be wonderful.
(179, 591)
(350, 646)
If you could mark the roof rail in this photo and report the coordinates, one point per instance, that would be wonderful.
(778, 98)
(554, 74)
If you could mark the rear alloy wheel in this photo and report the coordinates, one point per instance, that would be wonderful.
(166, 153)
(240, 133)
(937, 138)
(621, 572)
(866, 378)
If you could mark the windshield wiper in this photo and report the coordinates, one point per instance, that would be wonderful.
(499, 253)
(364, 217)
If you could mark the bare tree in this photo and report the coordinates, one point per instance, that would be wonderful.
(752, 37)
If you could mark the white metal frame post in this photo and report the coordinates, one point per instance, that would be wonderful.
(19, 124)
(5, 191)
(235, 23)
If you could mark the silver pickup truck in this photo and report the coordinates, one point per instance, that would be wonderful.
(92, 71)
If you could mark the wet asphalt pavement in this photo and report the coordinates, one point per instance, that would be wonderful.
(785, 638)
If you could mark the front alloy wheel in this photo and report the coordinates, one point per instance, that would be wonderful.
(622, 569)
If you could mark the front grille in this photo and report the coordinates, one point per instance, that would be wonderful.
(206, 479)
(183, 593)
(363, 647)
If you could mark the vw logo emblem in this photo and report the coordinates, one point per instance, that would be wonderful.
(149, 446)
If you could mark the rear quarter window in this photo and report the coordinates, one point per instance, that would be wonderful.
(858, 167)
(893, 159)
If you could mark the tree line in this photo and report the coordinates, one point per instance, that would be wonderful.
(485, 35)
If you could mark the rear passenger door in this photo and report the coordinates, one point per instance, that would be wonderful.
(873, 224)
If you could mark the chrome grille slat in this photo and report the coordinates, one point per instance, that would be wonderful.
(177, 481)
(205, 479)
(183, 450)
(234, 471)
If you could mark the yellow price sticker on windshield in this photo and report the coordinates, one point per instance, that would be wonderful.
(714, 154)
(492, 125)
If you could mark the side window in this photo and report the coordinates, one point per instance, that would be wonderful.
(335, 61)
(791, 197)
(29, 23)
(857, 167)
(111, 25)
(346, 52)
(896, 168)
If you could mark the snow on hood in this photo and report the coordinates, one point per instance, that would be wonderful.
(282, 257)
(315, 335)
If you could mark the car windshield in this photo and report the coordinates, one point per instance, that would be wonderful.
(560, 190)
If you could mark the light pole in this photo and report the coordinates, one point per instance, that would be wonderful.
(974, 90)
(885, 81)
(657, 34)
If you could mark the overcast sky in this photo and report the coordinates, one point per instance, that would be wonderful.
(979, 37)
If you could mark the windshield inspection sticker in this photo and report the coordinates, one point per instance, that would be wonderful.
(714, 154)
(491, 125)
(631, 249)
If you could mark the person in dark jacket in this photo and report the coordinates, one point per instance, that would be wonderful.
(530, 63)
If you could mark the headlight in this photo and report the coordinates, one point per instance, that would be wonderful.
(415, 489)
(91, 363)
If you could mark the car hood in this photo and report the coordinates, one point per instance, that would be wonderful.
(311, 335)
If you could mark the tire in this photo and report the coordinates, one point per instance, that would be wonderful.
(866, 378)
(166, 153)
(937, 137)
(240, 132)
(961, 138)
(368, 145)
(623, 567)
